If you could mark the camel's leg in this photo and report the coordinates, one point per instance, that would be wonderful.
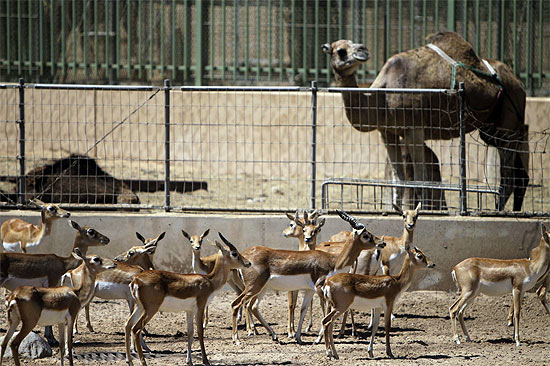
(397, 172)
(426, 169)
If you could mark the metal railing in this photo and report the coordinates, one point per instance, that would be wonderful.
(246, 149)
(214, 42)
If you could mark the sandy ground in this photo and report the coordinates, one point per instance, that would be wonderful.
(421, 335)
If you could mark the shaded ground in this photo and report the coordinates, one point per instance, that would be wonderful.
(421, 335)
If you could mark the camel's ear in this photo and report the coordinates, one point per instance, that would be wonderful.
(140, 237)
(397, 208)
(326, 48)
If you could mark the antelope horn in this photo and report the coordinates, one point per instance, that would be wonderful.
(353, 222)
(314, 215)
(306, 218)
(231, 246)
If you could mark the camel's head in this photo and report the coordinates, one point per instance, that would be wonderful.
(346, 56)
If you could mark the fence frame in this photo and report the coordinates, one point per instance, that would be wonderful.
(167, 88)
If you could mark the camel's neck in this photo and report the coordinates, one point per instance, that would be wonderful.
(361, 109)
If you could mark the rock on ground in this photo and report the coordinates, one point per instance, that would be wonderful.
(33, 346)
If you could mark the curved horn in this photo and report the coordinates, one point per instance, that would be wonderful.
(314, 215)
(306, 218)
(353, 221)
(231, 246)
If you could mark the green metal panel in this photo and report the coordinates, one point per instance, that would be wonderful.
(198, 43)
(451, 15)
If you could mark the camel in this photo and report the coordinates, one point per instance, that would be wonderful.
(494, 106)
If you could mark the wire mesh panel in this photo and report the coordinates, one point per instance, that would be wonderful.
(10, 137)
(93, 145)
(250, 147)
(267, 149)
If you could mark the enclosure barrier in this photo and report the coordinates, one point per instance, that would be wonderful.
(245, 149)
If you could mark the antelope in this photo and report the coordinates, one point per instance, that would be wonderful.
(155, 291)
(20, 235)
(113, 284)
(345, 291)
(205, 265)
(389, 259)
(290, 270)
(45, 270)
(496, 277)
(31, 306)
(306, 231)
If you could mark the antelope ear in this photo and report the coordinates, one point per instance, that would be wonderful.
(78, 254)
(321, 222)
(419, 206)
(544, 232)
(220, 246)
(186, 235)
(290, 217)
(150, 249)
(75, 225)
(140, 237)
(397, 208)
(326, 48)
(161, 236)
(205, 234)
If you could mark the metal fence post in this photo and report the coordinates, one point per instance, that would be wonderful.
(462, 146)
(167, 90)
(21, 187)
(313, 141)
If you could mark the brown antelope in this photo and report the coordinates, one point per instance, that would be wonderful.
(113, 284)
(155, 291)
(388, 260)
(363, 292)
(496, 277)
(290, 270)
(45, 270)
(31, 306)
(205, 265)
(306, 231)
(18, 235)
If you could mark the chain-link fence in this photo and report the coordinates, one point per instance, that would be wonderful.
(258, 149)
(255, 41)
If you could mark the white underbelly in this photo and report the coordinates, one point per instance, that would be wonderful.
(52, 317)
(364, 304)
(14, 282)
(497, 288)
(111, 290)
(172, 304)
(12, 247)
(290, 283)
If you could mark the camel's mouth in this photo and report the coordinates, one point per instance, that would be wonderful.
(361, 55)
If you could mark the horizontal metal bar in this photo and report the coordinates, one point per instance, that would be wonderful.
(410, 184)
(92, 87)
(242, 88)
(389, 90)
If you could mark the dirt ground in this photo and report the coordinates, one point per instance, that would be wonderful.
(421, 335)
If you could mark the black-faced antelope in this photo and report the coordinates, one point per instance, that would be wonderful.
(155, 291)
(363, 292)
(291, 270)
(496, 277)
(45, 270)
(47, 306)
(113, 284)
(18, 235)
(306, 231)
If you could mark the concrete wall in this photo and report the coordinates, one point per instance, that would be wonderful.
(445, 240)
